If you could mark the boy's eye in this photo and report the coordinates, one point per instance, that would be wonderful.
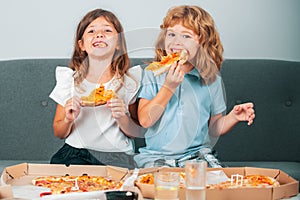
(186, 36)
(171, 34)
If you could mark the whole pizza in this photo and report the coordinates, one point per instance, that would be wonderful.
(67, 184)
(236, 181)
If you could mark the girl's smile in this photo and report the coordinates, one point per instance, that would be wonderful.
(99, 44)
(100, 38)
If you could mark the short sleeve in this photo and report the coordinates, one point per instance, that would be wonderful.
(217, 96)
(64, 88)
(150, 85)
(133, 82)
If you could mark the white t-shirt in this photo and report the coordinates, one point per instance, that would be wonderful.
(95, 128)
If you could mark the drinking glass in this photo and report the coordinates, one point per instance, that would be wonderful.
(166, 185)
(195, 172)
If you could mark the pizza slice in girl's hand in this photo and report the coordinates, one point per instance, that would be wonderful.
(160, 67)
(98, 96)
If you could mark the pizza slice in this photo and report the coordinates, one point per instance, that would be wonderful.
(260, 181)
(160, 67)
(249, 181)
(98, 96)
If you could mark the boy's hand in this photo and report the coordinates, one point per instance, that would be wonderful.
(244, 112)
(174, 77)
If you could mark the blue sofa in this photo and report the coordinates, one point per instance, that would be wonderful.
(273, 141)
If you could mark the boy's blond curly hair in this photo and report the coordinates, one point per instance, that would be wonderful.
(209, 57)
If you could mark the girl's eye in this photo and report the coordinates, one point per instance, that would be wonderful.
(108, 30)
(91, 31)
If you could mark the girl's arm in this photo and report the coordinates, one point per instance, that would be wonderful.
(220, 125)
(149, 111)
(128, 124)
(64, 117)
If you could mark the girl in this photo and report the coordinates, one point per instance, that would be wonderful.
(102, 134)
(182, 108)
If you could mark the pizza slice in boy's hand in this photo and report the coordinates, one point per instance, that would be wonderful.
(98, 96)
(160, 67)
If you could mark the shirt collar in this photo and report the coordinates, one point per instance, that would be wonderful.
(194, 72)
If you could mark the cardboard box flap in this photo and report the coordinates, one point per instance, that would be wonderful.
(56, 169)
(17, 171)
(117, 172)
(286, 191)
(6, 192)
(284, 178)
(274, 173)
(288, 187)
(240, 194)
(13, 172)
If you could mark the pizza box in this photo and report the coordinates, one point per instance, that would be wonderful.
(6, 192)
(288, 186)
(18, 178)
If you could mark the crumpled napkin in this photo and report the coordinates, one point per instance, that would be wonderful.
(215, 177)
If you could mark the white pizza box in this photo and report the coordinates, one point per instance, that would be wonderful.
(18, 179)
(288, 186)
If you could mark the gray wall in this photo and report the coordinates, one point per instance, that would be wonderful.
(248, 28)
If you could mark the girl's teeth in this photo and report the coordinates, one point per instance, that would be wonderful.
(102, 45)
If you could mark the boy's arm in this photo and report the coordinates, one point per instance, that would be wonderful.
(220, 125)
(149, 111)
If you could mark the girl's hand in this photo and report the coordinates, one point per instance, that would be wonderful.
(72, 109)
(174, 77)
(117, 108)
(244, 112)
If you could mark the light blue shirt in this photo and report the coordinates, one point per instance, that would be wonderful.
(183, 127)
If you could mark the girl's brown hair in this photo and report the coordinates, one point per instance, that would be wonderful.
(209, 56)
(79, 62)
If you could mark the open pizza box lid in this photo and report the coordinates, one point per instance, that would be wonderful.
(20, 177)
(288, 186)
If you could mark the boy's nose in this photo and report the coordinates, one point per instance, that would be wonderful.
(178, 39)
